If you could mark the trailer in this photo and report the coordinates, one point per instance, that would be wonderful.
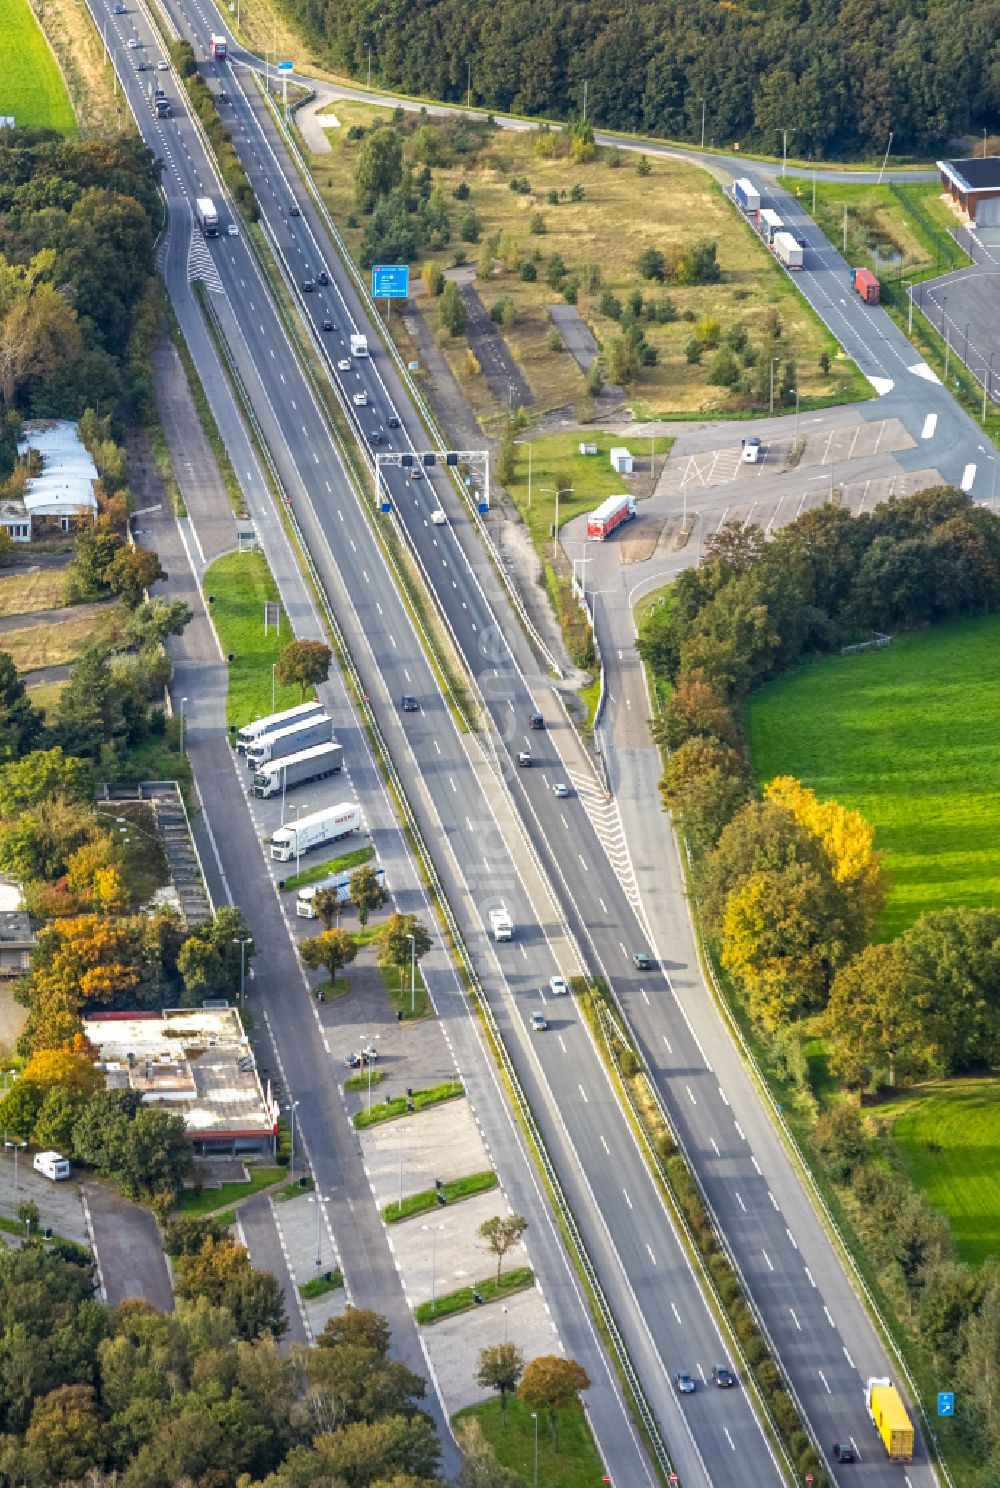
(251, 732)
(292, 740)
(296, 769)
(341, 885)
(746, 195)
(864, 283)
(609, 515)
(890, 1419)
(315, 830)
(218, 48)
(501, 924)
(770, 223)
(359, 346)
(787, 250)
(208, 217)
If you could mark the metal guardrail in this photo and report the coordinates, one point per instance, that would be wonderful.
(527, 1116)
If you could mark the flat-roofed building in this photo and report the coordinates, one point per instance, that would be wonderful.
(974, 188)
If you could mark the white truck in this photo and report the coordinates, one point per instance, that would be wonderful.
(290, 741)
(251, 732)
(296, 838)
(208, 217)
(296, 769)
(501, 924)
(787, 250)
(359, 346)
(339, 882)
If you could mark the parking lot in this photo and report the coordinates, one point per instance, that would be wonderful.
(723, 466)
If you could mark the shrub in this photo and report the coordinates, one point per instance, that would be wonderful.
(528, 272)
(614, 158)
(723, 369)
(537, 224)
(469, 227)
(555, 271)
(555, 340)
(610, 305)
(693, 350)
(643, 168)
(707, 329)
(462, 191)
(647, 354)
(576, 192)
(570, 290)
(652, 264)
(552, 197)
(356, 132)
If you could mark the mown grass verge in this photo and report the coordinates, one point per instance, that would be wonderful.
(341, 864)
(453, 1193)
(491, 1290)
(194, 1202)
(239, 584)
(318, 1286)
(512, 1434)
(419, 1101)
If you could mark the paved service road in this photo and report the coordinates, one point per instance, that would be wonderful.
(129, 1249)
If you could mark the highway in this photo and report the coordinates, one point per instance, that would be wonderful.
(809, 1313)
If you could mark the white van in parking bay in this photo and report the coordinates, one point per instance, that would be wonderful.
(51, 1165)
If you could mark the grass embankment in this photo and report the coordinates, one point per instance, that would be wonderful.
(947, 1136)
(85, 70)
(680, 204)
(512, 1437)
(193, 1203)
(32, 88)
(903, 736)
(490, 1290)
(240, 583)
(419, 1100)
(454, 1192)
(340, 864)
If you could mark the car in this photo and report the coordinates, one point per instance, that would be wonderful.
(558, 986)
(162, 66)
(140, 66)
(536, 721)
(539, 1023)
(723, 1378)
(393, 421)
(344, 365)
(560, 789)
(416, 473)
(751, 450)
(293, 211)
(409, 703)
(307, 286)
(223, 96)
(119, 8)
(233, 230)
(133, 42)
(360, 399)
(843, 1452)
(524, 758)
(684, 1382)
(642, 962)
(322, 277)
(375, 437)
(438, 518)
(328, 326)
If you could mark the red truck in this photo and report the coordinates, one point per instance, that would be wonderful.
(609, 515)
(218, 48)
(866, 285)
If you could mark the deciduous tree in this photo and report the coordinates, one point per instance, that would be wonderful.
(132, 573)
(393, 940)
(553, 1384)
(500, 1368)
(368, 892)
(329, 951)
(849, 843)
(303, 664)
(704, 783)
(500, 1235)
(379, 168)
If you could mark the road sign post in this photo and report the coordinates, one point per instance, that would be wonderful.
(946, 1403)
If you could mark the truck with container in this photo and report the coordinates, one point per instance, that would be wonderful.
(770, 223)
(291, 740)
(159, 103)
(501, 924)
(359, 346)
(296, 769)
(208, 217)
(866, 285)
(218, 48)
(250, 733)
(340, 883)
(298, 838)
(746, 195)
(889, 1417)
(787, 250)
(610, 514)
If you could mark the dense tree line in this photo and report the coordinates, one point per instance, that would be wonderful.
(837, 74)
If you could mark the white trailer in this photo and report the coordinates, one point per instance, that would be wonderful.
(296, 769)
(341, 885)
(359, 346)
(291, 740)
(746, 195)
(770, 223)
(251, 732)
(787, 250)
(314, 831)
(208, 217)
(501, 924)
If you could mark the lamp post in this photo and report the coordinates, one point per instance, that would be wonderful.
(242, 941)
(704, 104)
(366, 1044)
(319, 1200)
(291, 1149)
(183, 703)
(403, 1131)
(503, 1309)
(433, 1229)
(796, 392)
(16, 1147)
(298, 845)
(273, 665)
(413, 974)
(774, 363)
(562, 491)
(534, 1479)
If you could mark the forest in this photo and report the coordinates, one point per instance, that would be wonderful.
(838, 75)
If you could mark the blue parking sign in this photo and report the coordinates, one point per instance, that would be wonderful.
(946, 1403)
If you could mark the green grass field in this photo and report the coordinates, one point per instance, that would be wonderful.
(577, 1463)
(31, 85)
(241, 582)
(948, 1136)
(908, 737)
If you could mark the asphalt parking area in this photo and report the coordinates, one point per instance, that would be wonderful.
(866, 439)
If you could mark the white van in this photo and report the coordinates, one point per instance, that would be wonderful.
(51, 1165)
(751, 450)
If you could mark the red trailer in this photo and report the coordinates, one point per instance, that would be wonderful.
(866, 285)
(609, 515)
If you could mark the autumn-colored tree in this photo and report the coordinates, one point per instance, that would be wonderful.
(848, 840)
(552, 1384)
(67, 1436)
(330, 951)
(37, 843)
(93, 876)
(500, 1234)
(39, 776)
(326, 903)
(221, 1272)
(132, 573)
(876, 1021)
(38, 326)
(304, 664)
(500, 1368)
(393, 940)
(368, 892)
(480, 1468)
(704, 784)
(63, 1068)
(695, 709)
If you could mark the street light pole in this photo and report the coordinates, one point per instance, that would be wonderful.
(273, 666)
(291, 1149)
(242, 943)
(413, 974)
(403, 1131)
(183, 702)
(319, 1201)
(432, 1229)
(774, 363)
(534, 1417)
(704, 102)
(16, 1146)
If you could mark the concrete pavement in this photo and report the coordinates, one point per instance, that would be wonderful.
(129, 1251)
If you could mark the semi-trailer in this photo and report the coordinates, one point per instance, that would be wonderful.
(208, 217)
(290, 741)
(359, 346)
(890, 1418)
(787, 251)
(866, 285)
(340, 883)
(746, 195)
(250, 733)
(315, 830)
(501, 924)
(218, 48)
(296, 769)
(610, 514)
(770, 223)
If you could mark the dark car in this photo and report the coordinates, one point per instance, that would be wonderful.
(375, 437)
(685, 1383)
(524, 759)
(393, 421)
(410, 704)
(322, 277)
(536, 721)
(293, 211)
(223, 96)
(843, 1451)
(328, 325)
(642, 962)
(307, 286)
(723, 1378)
(141, 66)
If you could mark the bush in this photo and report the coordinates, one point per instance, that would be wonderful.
(652, 264)
(708, 330)
(555, 271)
(610, 305)
(555, 342)
(462, 191)
(614, 157)
(570, 290)
(663, 311)
(552, 197)
(576, 192)
(537, 224)
(643, 168)
(528, 272)
(520, 184)
(693, 350)
(647, 354)
(356, 132)
(723, 369)
(469, 227)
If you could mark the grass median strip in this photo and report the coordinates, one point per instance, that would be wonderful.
(194, 1202)
(452, 1193)
(354, 1083)
(320, 1285)
(464, 1299)
(240, 583)
(341, 864)
(418, 1101)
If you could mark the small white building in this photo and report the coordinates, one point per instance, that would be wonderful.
(621, 460)
(16, 519)
(64, 491)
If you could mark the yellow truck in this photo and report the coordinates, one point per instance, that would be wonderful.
(890, 1419)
